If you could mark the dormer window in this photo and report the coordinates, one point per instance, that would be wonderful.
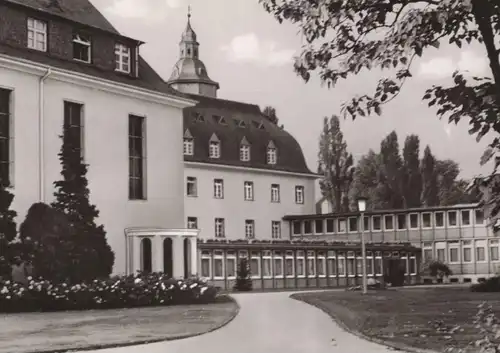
(220, 120)
(122, 57)
(258, 125)
(214, 147)
(272, 153)
(239, 123)
(198, 118)
(81, 48)
(188, 144)
(244, 150)
(37, 34)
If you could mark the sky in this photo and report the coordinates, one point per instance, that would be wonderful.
(251, 55)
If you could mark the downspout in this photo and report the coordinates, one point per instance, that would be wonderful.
(41, 142)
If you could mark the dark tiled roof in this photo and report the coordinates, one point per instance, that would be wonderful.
(148, 78)
(81, 11)
(290, 156)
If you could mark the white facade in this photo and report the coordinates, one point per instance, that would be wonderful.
(35, 131)
(233, 207)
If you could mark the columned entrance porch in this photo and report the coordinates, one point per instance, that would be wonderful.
(172, 251)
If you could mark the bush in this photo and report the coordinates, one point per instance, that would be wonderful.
(139, 290)
(490, 285)
(243, 277)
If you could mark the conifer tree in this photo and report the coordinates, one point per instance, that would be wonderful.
(430, 191)
(243, 277)
(7, 231)
(91, 255)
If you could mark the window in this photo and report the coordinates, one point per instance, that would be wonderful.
(255, 264)
(452, 218)
(321, 264)
(192, 223)
(377, 223)
(267, 264)
(297, 228)
(278, 264)
(122, 58)
(37, 34)
(318, 226)
(480, 251)
(300, 263)
(467, 250)
(351, 270)
(366, 223)
(191, 189)
(401, 221)
(146, 255)
(275, 193)
(214, 149)
(414, 221)
(81, 48)
(353, 224)
(428, 253)
(73, 123)
(289, 264)
(218, 188)
(271, 155)
(244, 153)
(206, 264)
(299, 194)
(426, 220)
(5, 138)
(311, 264)
(248, 186)
(439, 219)
(359, 265)
(276, 229)
(332, 264)
(188, 146)
(342, 225)
(249, 229)
(441, 255)
(453, 247)
(479, 214)
(218, 265)
(231, 264)
(388, 222)
(307, 227)
(378, 263)
(330, 225)
(219, 228)
(494, 255)
(369, 263)
(466, 217)
(137, 157)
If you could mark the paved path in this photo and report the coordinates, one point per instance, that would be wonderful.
(268, 323)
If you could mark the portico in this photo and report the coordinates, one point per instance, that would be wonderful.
(172, 251)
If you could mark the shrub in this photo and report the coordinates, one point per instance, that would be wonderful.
(141, 289)
(436, 269)
(490, 285)
(8, 231)
(243, 277)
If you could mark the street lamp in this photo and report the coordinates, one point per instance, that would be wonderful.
(362, 209)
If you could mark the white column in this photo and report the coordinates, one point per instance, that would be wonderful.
(136, 255)
(178, 257)
(194, 258)
(157, 253)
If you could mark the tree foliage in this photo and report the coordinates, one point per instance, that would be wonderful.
(344, 38)
(243, 281)
(430, 191)
(91, 254)
(335, 164)
(412, 176)
(8, 231)
(391, 177)
(366, 181)
(270, 113)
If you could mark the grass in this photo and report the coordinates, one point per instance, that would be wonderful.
(408, 316)
(61, 331)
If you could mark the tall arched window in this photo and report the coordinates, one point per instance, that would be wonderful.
(146, 255)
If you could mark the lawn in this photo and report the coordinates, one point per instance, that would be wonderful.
(408, 316)
(39, 332)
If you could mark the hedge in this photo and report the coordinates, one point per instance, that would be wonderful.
(139, 290)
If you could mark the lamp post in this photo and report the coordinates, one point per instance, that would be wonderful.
(362, 209)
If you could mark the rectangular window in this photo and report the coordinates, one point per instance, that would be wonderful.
(307, 227)
(300, 264)
(255, 264)
(479, 215)
(342, 225)
(37, 34)
(82, 50)
(5, 138)
(439, 219)
(299, 194)
(465, 217)
(206, 264)
(275, 193)
(494, 250)
(278, 264)
(366, 223)
(271, 155)
(359, 266)
(454, 254)
(192, 223)
(122, 58)
(214, 149)
(388, 222)
(188, 146)
(353, 224)
(332, 264)
(191, 189)
(248, 189)
(369, 264)
(311, 264)
(426, 220)
(318, 226)
(414, 221)
(452, 218)
(137, 157)
(341, 267)
(220, 228)
(276, 229)
(378, 264)
(351, 269)
(467, 253)
(427, 254)
(231, 264)
(267, 264)
(330, 226)
(480, 253)
(377, 223)
(218, 265)
(218, 188)
(73, 123)
(249, 229)
(401, 221)
(441, 255)
(244, 153)
(321, 264)
(289, 264)
(297, 227)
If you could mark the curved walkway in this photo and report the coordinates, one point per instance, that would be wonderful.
(268, 323)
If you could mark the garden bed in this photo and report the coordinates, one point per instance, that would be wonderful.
(424, 318)
(60, 331)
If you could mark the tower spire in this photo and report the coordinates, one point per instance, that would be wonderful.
(189, 13)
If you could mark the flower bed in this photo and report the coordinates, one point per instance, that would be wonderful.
(137, 290)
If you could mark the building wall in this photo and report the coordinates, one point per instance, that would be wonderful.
(233, 207)
(196, 88)
(106, 151)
